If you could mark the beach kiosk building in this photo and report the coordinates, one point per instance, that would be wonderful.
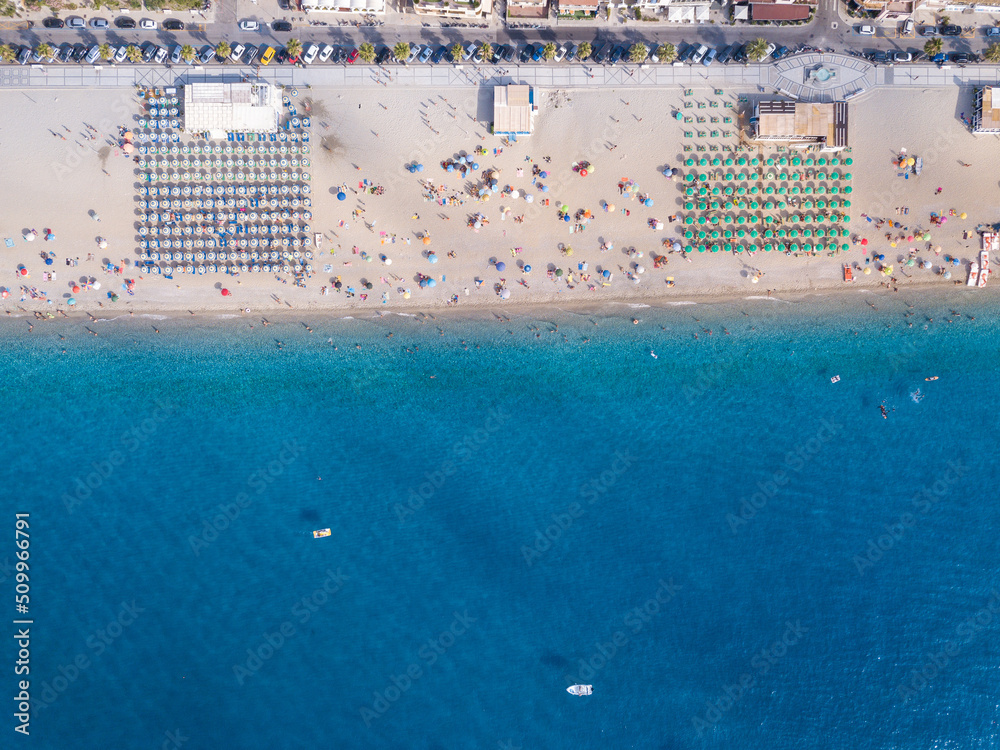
(513, 110)
(986, 115)
(801, 124)
(220, 108)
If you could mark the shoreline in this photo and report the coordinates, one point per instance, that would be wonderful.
(819, 301)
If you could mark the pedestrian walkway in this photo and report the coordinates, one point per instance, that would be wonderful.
(851, 76)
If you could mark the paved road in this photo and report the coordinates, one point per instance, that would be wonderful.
(828, 31)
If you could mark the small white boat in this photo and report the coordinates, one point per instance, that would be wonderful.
(580, 689)
(984, 267)
(973, 274)
(320, 533)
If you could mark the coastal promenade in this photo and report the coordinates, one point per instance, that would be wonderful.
(854, 76)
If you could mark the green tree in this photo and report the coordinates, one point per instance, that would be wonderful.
(933, 47)
(667, 53)
(46, 52)
(549, 51)
(456, 53)
(486, 52)
(401, 51)
(223, 51)
(133, 53)
(187, 53)
(638, 52)
(105, 51)
(945, 20)
(583, 51)
(294, 49)
(757, 49)
(7, 53)
(367, 52)
(992, 53)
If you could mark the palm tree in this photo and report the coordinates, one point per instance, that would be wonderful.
(583, 51)
(104, 51)
(945, 20)
(992, 53)
(401, 51)
(367, 52)
(294, 49)
(223, 51)
(486, 52)
(549, 51)
(933, 47)
(757, 49)
(7, 53)
(456, 53)
(667, 53)
(133, 53)
(46, 52)
(638, 52)
(187, 53)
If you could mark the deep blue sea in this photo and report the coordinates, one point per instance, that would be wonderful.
(733, 550)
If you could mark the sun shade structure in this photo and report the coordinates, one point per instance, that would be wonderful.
(806, 123)
(231, 108)
(986, 117)
(513, 108)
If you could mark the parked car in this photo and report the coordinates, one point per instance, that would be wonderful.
(147, 23)
(281, 26)
(469, 50)
(206, 54)
(251, 56)
(124, 22)
(175, 55)
(536, 56)
(616, 54)
(415, 50)
(326, 52)
(710, 58)
(599, 53)
(439, 54)
(65, 53)
(79, 52)
(425, 54)
(902, 57)
(121, 54)
(249, 25)
(282, 57)
(699, 54)
(161, 55)
(780, 53)
(769, 51)
(75, 22)
(927, 31)
(36, 56)
(571, 52)
(962, 58)
(236, 52)
(560, 53)
(353, 55)
(172, 24)
(740, 54)
(527, 52)
(310, 53)
(148, 51)
(267, 55)
(724, 54)
(93, 53)
(866, 30)
(908, 27)
(53, 23)
(99, 23)
(384, 55)
(878, 56)
(950, 30)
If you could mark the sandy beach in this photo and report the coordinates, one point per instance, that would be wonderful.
(59, 171)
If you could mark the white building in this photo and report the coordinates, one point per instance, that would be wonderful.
(220, 108)
(374, 7)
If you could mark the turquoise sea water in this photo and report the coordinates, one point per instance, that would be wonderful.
(734, 551)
